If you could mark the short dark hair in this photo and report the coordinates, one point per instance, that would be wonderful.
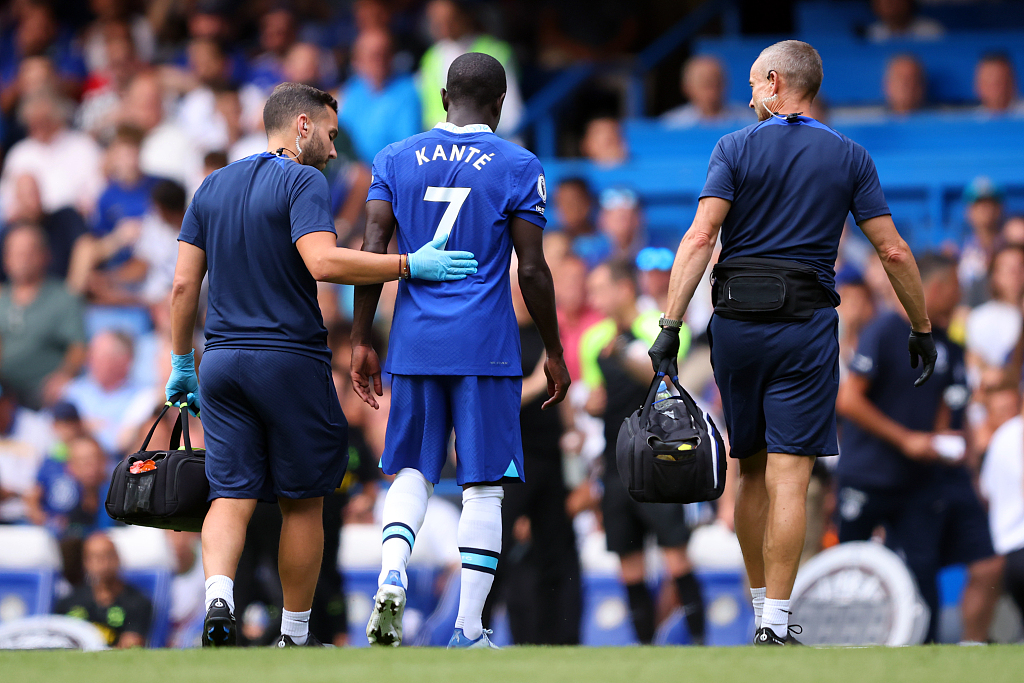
(169, 195)
(215, 159)
(622, 270)
(129, 134)
(291, 99)
(579, 183)
(476, 78)
(932, 263)
(997, 57)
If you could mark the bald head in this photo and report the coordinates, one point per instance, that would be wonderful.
(100, 560)
(797, 64)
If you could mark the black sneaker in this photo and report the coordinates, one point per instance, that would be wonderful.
(766, 636)
(219, 627)
(311, 641)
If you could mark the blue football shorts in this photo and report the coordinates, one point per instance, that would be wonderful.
(483, 411)
(778, 383)
(273, 425)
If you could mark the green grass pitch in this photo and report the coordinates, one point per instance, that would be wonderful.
(935, 664)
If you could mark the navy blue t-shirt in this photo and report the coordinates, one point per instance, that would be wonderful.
(864, 459)
(247, 217)
(469, 183)
(791, 186)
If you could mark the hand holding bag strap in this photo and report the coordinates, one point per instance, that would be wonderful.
(149, 436)
(180, 431)
(663, 370)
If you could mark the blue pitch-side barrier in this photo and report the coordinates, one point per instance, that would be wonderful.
(847, 18)
(854, 68)
(924, 162)
(156, 585)
(26, 592)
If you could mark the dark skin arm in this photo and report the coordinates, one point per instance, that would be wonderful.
(380, 227)
(539, 294)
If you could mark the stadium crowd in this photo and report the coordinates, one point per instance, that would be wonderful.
(112, 114)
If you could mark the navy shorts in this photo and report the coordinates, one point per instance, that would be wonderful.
(932, 525)
(778, 383)
(273, 424)
(483, 411)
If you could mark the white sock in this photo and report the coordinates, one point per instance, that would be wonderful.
(757, 599)
(404, 508)
(295, 625)
(220, 586)
(776, 616)
(480, 547)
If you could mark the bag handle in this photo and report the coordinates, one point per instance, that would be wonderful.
(179, 430)
(664, 372)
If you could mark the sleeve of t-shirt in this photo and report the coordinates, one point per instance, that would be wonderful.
(380, 184)
(868, 199)
(71, 329)
(866, 360)
(309, 204)
(531, 194)
(192, 227)
(721, 178)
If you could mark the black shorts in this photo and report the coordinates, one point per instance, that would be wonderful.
(627, 522)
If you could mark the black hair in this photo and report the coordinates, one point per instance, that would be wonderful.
(622, 270)
(579, 183)
(169, 196)
(1000, 57)
(291, 99)
(215, 159)
(932, 263)
(477, 79)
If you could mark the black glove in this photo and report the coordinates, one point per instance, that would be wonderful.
(666, 346)
(922, 346)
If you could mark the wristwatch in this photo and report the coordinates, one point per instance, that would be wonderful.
(669, 324)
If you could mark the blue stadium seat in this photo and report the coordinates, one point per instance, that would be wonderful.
(25, 592)
(854, 68)
(156, 585)
(924, 162)
(729, 618)
(606, 620)
(834, 18)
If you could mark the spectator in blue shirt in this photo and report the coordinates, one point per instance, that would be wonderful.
(277, 35)
(376, 106)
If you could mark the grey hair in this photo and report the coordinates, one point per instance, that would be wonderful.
(798, 63)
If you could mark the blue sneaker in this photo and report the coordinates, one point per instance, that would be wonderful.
(459, 641)
(385, 625)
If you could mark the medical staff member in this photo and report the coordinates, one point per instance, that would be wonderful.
(779, 192)
(263, 229)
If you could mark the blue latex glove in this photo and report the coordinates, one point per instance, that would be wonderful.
(431, 262)
(183, 380)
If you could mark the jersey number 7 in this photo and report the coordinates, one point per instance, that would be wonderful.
(456, 197)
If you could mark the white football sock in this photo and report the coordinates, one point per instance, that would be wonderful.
(295, 625)
(404, 508)
(480, 547)
(220, 586)
(776, 616)
(757, 599)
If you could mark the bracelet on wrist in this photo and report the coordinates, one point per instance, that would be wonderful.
(670, 324)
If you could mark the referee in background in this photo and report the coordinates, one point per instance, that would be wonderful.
(262, 227)
(779, 192)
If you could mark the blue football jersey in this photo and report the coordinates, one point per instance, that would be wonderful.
(468, 183)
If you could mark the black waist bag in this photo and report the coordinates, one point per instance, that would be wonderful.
(767, 290)
(670, 452)
(174, 495)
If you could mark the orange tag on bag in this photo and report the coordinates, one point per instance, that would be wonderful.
(141, 466)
